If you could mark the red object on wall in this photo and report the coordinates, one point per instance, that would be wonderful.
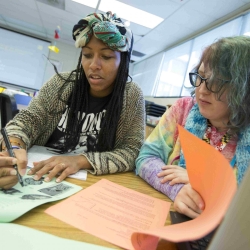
(56, 36)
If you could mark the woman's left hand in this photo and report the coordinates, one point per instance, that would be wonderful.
(59, 165)
(174, 174)
(189, 202)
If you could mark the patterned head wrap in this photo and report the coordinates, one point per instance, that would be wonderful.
(106, 27)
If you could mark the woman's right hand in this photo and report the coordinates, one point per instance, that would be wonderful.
(189, 202)
(8, 175)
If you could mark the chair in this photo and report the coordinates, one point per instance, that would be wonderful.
(153, 114)
(153, 109)
(8, 108)
(22, 101)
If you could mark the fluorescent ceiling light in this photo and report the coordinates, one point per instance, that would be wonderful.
(125, 11)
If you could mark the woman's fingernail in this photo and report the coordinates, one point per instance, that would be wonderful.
(58, 180)
(14, 161)
(29, 172)
(35, 177)
(13, 172)
(22, 172)
(46, 179)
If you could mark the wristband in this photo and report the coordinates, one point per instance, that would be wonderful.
(13, 147)
(16, 143)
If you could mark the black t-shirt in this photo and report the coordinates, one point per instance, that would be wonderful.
(91, 125)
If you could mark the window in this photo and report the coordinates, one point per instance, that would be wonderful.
(173, 70)
(246, 25)
(166, 74)
(231, 28)
(145, 73)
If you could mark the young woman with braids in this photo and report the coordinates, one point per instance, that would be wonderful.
(219, 114)
(92, 111)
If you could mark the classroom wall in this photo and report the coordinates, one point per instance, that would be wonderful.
(65, 60)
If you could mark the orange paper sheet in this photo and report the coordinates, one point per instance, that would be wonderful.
(115, 213)
(112, 212)
(213, 178)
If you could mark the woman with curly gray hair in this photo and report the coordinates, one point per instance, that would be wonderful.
(92, 111)
(218, 113)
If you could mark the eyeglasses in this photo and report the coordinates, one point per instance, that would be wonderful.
(196, 80)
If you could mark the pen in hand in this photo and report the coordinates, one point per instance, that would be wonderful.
(11, 153)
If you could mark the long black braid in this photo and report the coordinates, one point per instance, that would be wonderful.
(78, 103)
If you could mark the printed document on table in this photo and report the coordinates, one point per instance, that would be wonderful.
(40, 153)
(112, 212)
(133, 220)
(18, 200)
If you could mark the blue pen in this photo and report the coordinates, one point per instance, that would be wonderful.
(11, 153)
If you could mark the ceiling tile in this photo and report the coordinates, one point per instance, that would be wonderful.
(172, 28)
(67, 27)
(78, 9)
(190, 18)
(31, 4)
(20, 13)
(182, 19)
(215, 8)
(50, 22)
(138, 29)
(60, 4)
(136, 38)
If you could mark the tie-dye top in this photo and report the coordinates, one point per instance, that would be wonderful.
(163, 146)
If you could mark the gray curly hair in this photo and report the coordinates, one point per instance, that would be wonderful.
(229, 59)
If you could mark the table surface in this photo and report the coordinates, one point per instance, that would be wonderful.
(37, 219)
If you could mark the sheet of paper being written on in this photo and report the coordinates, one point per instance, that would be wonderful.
(18, 200)
(40, 153)
(111, 212)
(211, 175)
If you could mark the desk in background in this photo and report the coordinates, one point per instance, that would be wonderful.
(37, 219)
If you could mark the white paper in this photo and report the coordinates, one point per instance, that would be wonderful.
(15, 237)
(18, 200)
(40, 153)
